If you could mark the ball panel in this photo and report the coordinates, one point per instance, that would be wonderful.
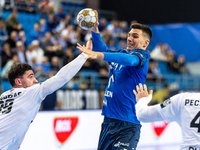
(90, 24)
(85, 12)
(93, 20)
(83, 24)
(92, 13)
(79, 18)
(87, 18)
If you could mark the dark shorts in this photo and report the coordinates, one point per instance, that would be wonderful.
(118, 135)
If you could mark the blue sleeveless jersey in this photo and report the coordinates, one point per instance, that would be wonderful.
(119, 99)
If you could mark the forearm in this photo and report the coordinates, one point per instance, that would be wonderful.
(121, 58)
(147, 113)
(65, 74)
(98, 44)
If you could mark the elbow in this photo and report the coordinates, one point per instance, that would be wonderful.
(130, 62)
(134, 64)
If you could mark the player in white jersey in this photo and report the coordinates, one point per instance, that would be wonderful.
(182, 108)
(19, 106)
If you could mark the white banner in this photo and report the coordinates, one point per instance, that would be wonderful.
(78, 99)
(79, 130)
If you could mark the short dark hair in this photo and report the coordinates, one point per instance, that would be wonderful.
(16, 71)
(144, 28)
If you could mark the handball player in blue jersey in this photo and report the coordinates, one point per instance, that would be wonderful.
(128, 67)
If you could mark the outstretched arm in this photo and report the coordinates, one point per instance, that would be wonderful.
(120, 58)
(65, 74)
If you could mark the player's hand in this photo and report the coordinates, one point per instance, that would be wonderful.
(89, 44)
(141, 92)
(95, 29)
(90, 53)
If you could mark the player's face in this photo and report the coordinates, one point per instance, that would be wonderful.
(28, 79)
(136, 40)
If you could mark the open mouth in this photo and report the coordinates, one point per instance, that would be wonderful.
(130, 45)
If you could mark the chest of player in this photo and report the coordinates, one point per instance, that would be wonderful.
(121, 71)
(115, 67)
(120, 75)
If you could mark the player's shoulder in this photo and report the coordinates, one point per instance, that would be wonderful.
(20, 90)
(143, 54)
(35, 86)
(32, 89)
(11, 93)
(139, 51)
(12, 90)
(181, 97)
(188, 94)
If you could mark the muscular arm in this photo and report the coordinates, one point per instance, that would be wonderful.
(147, 113)
(121, 58)
(63, 76)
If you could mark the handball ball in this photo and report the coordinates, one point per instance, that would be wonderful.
(87, 18)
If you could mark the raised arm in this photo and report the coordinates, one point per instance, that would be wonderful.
(147, 113)
(65, 74)
(144, 112)
(98, 44)
(168, 111)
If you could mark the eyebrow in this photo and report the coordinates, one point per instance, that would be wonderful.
(30, 74)
(133, 33)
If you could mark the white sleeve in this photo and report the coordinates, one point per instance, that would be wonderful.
(147, 113)
(170, 108)
(63, 76)
(167, 111)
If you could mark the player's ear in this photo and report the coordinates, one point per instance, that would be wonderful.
(18, 81)
(146, 43)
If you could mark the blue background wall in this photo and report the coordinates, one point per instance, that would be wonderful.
(182, 38)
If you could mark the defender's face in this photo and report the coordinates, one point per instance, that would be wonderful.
(28, 79)
(136, 40)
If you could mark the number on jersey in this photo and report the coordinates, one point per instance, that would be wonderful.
(5, 107)
(195, 123)
(111, 79)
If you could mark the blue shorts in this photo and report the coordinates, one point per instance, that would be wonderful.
(117, 135)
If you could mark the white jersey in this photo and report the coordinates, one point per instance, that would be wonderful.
(19, 106)
(182, 108)
(18, 109)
